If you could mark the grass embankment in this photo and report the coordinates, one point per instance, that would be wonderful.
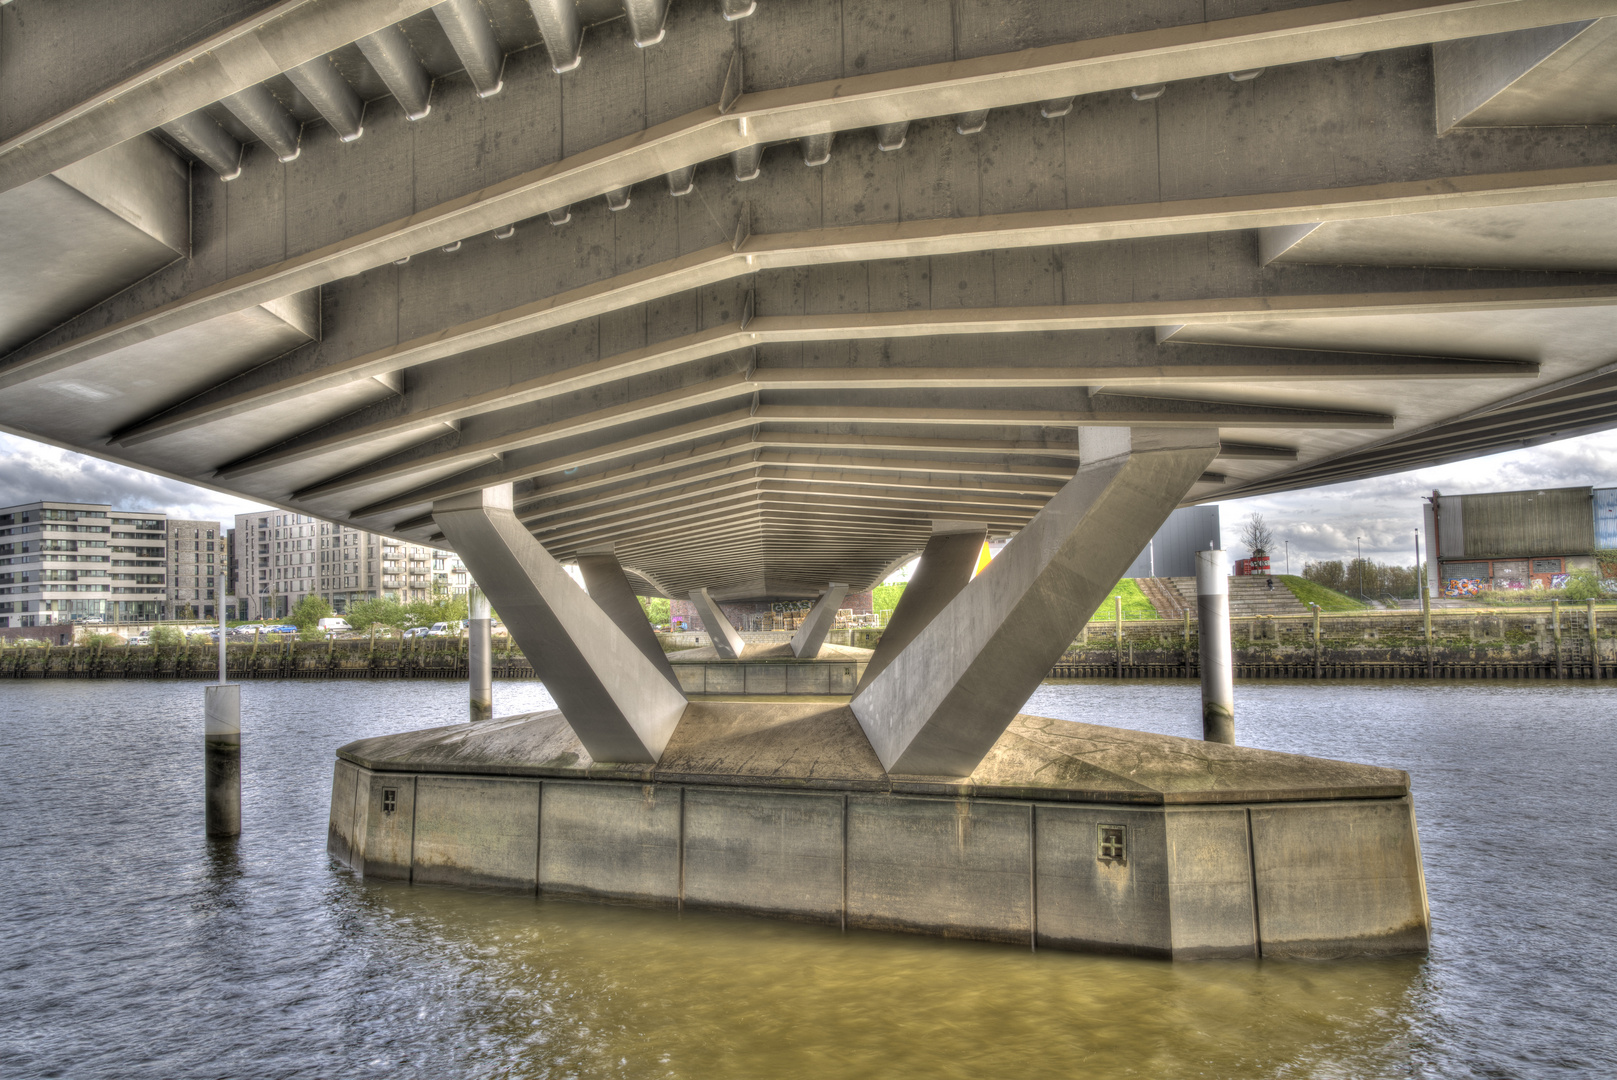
(1135, 605)
(1327, 599)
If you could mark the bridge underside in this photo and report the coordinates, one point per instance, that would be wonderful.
(755, 294)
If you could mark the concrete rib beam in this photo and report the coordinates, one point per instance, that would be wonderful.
(818, 622)
(273, 40)
(961, 86)
(621, 706)
(944, 700)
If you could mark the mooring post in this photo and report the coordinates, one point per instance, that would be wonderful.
(1317, 644)
(222, 745)
(1555, 629)
(1217, 650)
(1186, 650)
(1594, 643)
(1117, 612)
(1426, 620)
(480, 657)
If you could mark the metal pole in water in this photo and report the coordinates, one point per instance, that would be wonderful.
(221, 742)
(480, 656)
(1594, 643)
(1217, 653)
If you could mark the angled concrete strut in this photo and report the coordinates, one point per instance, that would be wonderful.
(943, 701)
(726, 642)
(817, 623)
(619, 704)
(609, 587)
(945, 568)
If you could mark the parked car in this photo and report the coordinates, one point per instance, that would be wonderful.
(335, 625)
(93, 620)
(417, 631)
(281, 628)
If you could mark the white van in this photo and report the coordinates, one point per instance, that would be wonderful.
(337, 625)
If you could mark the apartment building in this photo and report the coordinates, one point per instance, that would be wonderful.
(61, 561)
(280, 558)
(196, 554)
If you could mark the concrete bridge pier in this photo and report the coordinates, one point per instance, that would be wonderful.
(726, 641)
(947, 697)
(818, 622)
(945, 568)
(621, 706)
(609, 587)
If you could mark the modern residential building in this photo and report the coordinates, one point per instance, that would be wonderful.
(279, 558)
(195, 557)
(1516, 539)
(61, 561)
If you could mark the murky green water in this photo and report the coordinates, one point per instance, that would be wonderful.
(131, 947)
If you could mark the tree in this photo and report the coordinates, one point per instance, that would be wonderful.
(368, 613)
(310, 610)
(1332, 574)
(1257, 535)
(657, 609)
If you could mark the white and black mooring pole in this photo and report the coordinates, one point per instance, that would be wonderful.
(221, 741)
(1217, 656)
(480, 656)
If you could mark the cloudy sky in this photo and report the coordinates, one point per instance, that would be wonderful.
(1318, 524)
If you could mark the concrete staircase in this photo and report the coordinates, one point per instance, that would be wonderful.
(1165, 597)
(1248, 596)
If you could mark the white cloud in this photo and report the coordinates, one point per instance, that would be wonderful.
(1322, 523)
(30, 471)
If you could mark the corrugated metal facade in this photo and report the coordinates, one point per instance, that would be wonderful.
(1605, 518)
(1187, 531)
(1512, 524)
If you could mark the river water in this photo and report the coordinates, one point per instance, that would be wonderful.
(132, 947)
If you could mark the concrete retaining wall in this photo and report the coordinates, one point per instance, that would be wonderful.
(1305, 879)
(797, 677)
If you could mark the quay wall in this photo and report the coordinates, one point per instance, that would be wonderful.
(1514, 644)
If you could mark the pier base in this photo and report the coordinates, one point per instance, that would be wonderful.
(1066, 835)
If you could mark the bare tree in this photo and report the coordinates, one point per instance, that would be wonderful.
(1256, 534)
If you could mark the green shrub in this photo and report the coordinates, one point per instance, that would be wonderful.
(166, 637)
(310, 610)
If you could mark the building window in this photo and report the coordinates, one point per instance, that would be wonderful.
(1114, 845)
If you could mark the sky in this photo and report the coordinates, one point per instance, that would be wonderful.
(1313, 525)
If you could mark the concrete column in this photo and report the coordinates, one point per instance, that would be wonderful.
(609, 587)
(1217, 652)
(221, 749)
(945, 568)
(621, 707)
(726, 641)
(942, 703)
(480, 657)
(818, 622)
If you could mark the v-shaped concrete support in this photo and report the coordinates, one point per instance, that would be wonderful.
(818, 622)
(726, 640)
(945, 568)
(619, 703)
(941, 703)
(609, 587)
